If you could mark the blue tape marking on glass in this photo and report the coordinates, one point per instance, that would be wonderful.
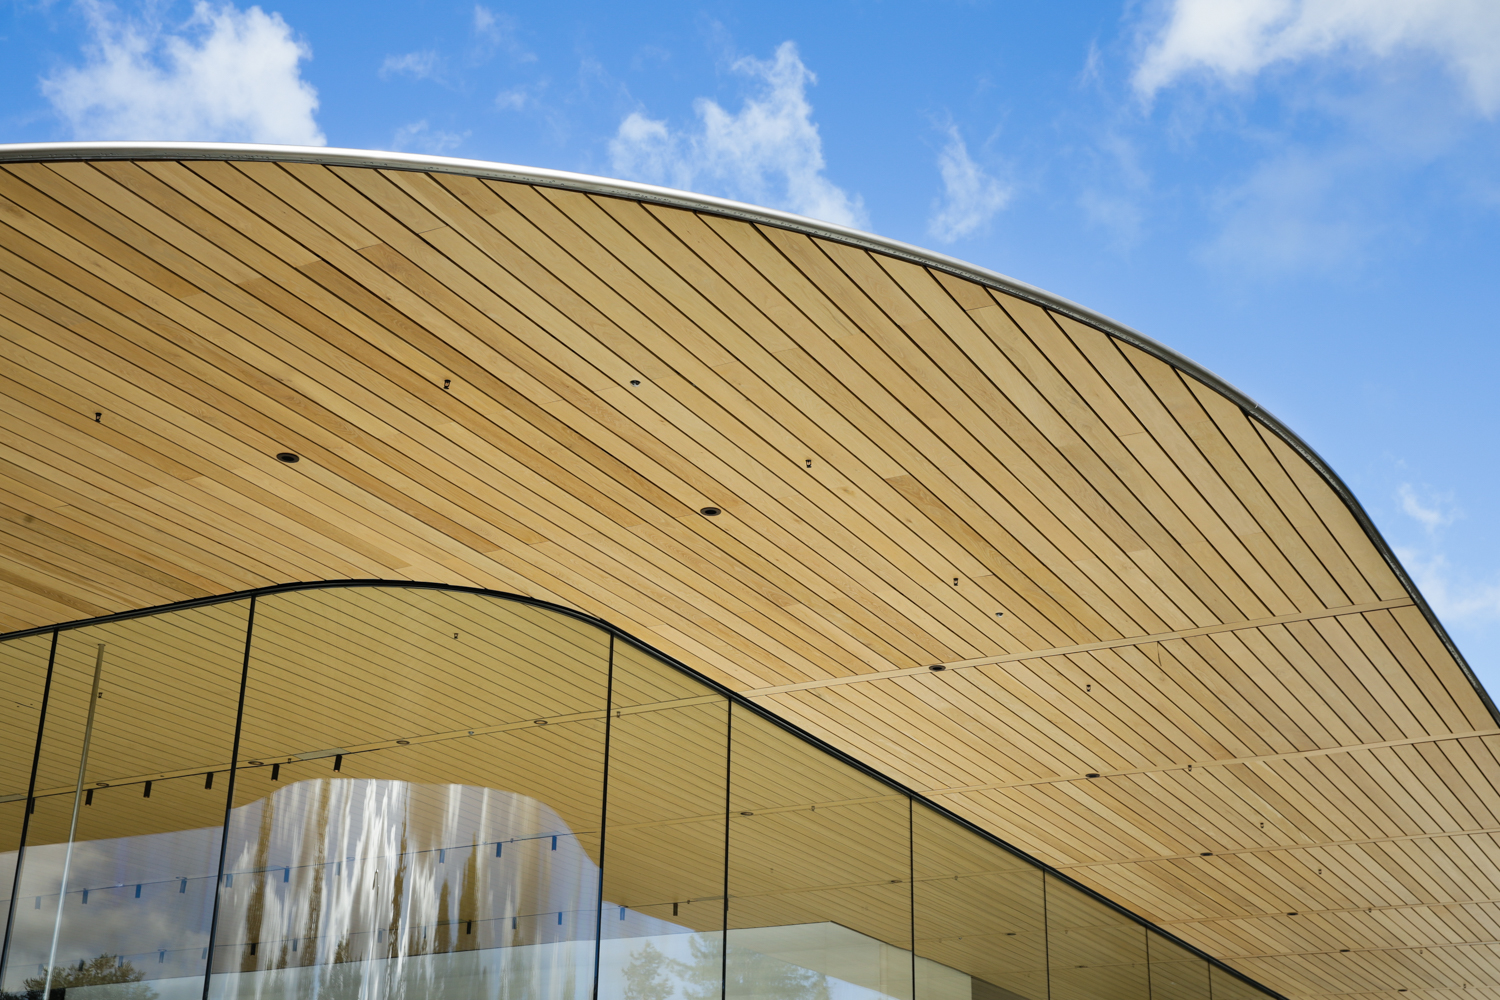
(497, 850)
(138, 891)
(554, 843)
(286, 874)
(182, 886)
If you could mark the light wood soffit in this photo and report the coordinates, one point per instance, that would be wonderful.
(534, 386)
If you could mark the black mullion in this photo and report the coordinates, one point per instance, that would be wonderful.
(1046, 937)
(728, 772)
(36, 757)
(234, 760)
(609, 707)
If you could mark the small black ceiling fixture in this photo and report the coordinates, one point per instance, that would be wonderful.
(709, 511)
(937, 666)
(287, 457)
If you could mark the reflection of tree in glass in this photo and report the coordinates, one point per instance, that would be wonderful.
(104, 970)
(746, 973)
(646, 976)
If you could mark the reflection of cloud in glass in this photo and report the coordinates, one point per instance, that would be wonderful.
(333, 871)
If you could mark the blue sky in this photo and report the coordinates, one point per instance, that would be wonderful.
(1302, 195)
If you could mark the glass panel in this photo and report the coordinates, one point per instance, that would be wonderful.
(1223, 986)
(419, 809)
(980, 916)
(1094, 952)
(419, 802)
(23, 678)
(663, 918)
(819, 873)
(130, 898)
(1176, 973)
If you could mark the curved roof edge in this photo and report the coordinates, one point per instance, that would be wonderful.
(42, 151)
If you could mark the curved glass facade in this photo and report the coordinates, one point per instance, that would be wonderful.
(385, 791)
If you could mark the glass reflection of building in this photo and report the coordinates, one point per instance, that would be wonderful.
(393, 791)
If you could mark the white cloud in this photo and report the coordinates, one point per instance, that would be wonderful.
(1430, 515)
(970, 198)
(224, 74)
(769, 152)
(421, 64)
(423, 138)
(1236, 39)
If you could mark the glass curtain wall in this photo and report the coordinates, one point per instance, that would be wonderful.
(369, 792)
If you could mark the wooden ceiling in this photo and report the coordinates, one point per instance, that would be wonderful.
(1180, 665)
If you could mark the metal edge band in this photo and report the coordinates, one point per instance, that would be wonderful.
(713, 685)
(37, 152)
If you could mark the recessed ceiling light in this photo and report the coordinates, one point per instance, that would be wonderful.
(288, 457)
(709, 511)
(936, 667)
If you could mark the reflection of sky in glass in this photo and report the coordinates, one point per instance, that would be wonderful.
(338, 888)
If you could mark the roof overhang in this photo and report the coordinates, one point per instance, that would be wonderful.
(1180, 664)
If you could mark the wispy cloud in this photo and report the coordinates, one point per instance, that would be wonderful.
(1234, 41)
(421, 137)
(514, 99)
(769, 152)
(1454, 595)
(500, 32)
(1427, 511)
(971, 197)
(1301, 211)
(1453, 598)
(421, 65)
(224, 74)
